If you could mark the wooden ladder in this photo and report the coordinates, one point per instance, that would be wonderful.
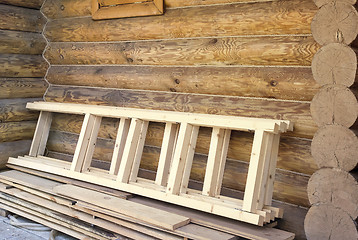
(175, 161)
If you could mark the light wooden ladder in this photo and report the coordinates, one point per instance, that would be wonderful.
(175, 161)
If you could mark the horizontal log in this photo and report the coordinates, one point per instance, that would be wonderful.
(14, 131)
(22, 87)
(289, 83)
(14, 110)
(283, 17)
(294, 153)
(21, 42)
(24, 3)
(21, 65)
(328, 222)
(334, 104)
(297, 112)
(320, 3)
(336, 22)
(273, 50)
(335, 146)
(21, 19)
(13, 149)
(335, 187)
(234, 177)
(54, 9)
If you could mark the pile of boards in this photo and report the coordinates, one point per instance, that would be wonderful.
(88, 211)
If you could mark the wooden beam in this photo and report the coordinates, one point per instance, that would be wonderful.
(41, 134)
(21, 42)
(21, 65)
(22, 88)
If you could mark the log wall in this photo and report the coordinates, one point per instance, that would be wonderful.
(22, 71)
(231, 57)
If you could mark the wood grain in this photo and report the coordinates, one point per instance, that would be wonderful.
(273, 50)
(21, 42)
(21, 19)
(263, 18)
(22, 65)
(54, 9)
(13, 149)
(297, 112)
(234, 177)
(24, 3)
(289, 83)
(13, 110)
(22, 87)
(14, 131)
(320, 3)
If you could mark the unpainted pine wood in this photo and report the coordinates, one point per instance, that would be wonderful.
(218, 20)
(121, 138)
(289, 51)
(297, 112)
(335, 63)
(22, 65)
(294, 152)
(41, 134)
(272, 169)
(289, 83)
(151, 215)
(21, 42)
(335, 146)
(15, 131)
(336, 22)
(21, 19)
(221, 166)
(130, 150)
(13, 149)
(334, 104)
(14, 110)
(22, 88)
(335, 187)
(24, 3)
(166, 153)
(324, 221)
(289, 186)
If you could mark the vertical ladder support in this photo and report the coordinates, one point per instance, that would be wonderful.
(255, 167)
(272, 169)
(91, 143)
(139, 152)
(166, 153)
(42, 131)
(83, 141)
(222, 160)
(130, 150)
(121, 138)
(179, 159)
(189, 159)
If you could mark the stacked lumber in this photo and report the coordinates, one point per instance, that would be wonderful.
(85, 211)
(333, 189)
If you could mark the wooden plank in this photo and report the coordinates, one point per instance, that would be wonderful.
(289, 51)
(13, 149)
(24, 3)
(21, 65)
(139, 151)
(272, 167)
(189, 160)
(297, 112)
(121, 138)
(130, 150)
(153, 216)
(290, 187)
(289, 83)
(14, 110)
(21, 19)
(179, 158)
(83, 142)
(22, 88)
(42, 130)
(221, 166)
(21, 42)
(15, 131)
(205, 120)
(166, 153)
(218, 20)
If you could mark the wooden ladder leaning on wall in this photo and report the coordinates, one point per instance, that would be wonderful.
(175, 161)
